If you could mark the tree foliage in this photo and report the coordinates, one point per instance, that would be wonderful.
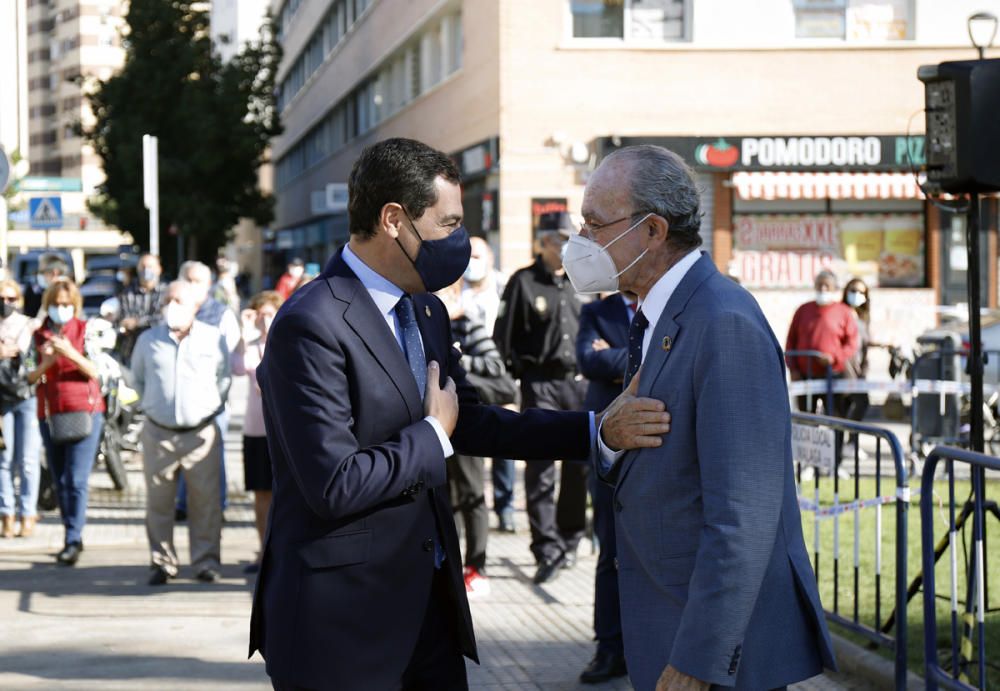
(214, 121)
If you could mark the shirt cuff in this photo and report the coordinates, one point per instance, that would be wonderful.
(605, 456)
(443, 438)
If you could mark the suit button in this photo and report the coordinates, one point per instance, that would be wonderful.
(618, 506)
(429, 545)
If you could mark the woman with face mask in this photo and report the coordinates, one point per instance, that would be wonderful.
(20, 459)
(256, 461)
(70, 407)
(856, 296)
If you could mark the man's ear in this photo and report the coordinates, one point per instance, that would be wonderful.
(390, 219)
(658, 229)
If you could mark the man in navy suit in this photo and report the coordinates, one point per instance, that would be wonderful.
(601, 354)
(716, 585)
(360, 585)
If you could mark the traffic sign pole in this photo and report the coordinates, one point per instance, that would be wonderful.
(151, 189)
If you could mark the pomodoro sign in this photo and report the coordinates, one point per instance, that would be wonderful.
(787, 153)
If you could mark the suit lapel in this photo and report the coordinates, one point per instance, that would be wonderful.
(667, 328)
(363, 316)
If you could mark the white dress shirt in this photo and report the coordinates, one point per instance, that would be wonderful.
(386, 295)
(652, 308)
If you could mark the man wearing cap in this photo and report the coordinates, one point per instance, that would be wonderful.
(536, 333)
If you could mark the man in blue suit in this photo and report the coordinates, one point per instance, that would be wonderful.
(716, 585)
(360, 584)
(601, 355)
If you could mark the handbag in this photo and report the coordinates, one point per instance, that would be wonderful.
(68, 428)
(71, 427)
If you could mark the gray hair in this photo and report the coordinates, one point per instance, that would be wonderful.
(662, 183)
(187, 289)
(190, 270)
(824, 275)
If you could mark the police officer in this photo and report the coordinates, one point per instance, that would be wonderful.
(536, 333)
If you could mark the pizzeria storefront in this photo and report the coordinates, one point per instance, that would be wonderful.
(786, 207)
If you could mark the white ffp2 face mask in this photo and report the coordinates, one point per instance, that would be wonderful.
(589, 265)
(177, 316)
(825, 297)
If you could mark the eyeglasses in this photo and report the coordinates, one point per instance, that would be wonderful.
(588, 229)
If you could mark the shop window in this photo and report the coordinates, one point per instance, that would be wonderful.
(640, 20)
(788, 250)
(854, 20)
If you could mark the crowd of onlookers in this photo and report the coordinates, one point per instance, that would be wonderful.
(173, 340)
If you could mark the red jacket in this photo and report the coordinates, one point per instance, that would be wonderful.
(830, 329)
(63, 386)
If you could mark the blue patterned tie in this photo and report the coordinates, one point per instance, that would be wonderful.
(413, 348)
(636, 330)
(412, 345)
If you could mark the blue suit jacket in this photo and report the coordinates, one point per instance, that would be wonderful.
(713, 570)
(360, 486)
(605, 369)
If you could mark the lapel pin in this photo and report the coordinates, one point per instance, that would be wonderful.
(667, 343)
(427, 310)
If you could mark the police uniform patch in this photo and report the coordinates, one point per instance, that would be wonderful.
(541, 304)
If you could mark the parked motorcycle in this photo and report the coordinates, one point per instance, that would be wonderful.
(119, 399)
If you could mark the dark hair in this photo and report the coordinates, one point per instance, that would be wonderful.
(395, 170)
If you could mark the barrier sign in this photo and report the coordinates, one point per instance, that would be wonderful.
(813, 446)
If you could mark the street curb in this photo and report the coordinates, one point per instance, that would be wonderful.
(856, 661)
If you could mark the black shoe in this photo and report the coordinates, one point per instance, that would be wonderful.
(159, 576)
(548, 569)
(507, 522)
(208, 575)
(570, 561)
(70, 554)
(180, 515)
(604, 667)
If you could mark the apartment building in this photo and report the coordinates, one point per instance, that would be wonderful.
(801, 119)
(69, 44)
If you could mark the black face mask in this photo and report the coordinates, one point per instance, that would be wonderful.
(440, 262)
(8, 309)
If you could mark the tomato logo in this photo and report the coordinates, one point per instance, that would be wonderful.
(721, 154)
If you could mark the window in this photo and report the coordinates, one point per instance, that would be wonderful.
(640, 20)
(854, 20)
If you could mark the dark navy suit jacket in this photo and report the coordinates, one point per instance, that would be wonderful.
(605, 369)
(359, 486)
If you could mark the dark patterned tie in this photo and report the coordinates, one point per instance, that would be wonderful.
(412, 346)
(636, 330)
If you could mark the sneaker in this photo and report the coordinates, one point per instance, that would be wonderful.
(808, 473)
(159, 575)
(507, 522)
(476, 584)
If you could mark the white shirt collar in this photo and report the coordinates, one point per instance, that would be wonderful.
(656, 300)
(384, 292)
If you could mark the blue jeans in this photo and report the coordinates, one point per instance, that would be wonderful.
(20, 458)
(502, 472)
(71, 465)
(222, 422)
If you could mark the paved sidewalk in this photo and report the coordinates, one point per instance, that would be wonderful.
(99, 626)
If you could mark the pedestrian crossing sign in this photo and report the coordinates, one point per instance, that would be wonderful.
(45, 212)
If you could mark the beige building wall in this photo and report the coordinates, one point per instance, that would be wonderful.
(556, 91)
(456, 113)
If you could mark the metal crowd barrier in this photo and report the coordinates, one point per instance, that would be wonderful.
(970, 623)
(813, 435)
(826, 381)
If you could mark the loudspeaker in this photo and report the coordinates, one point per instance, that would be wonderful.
(962, 107)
